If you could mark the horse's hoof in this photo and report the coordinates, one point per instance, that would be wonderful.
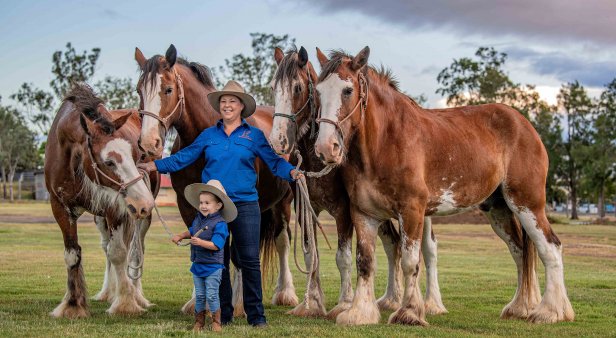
(336, 310)
(434, 308)
(388, 304)
(71, 312)
(313, 310)
(285, 297)
(367, 314)
(406, 316)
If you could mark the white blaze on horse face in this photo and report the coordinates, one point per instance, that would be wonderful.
(119, 151)
(283, 104)
(151, 103)
(330, 91)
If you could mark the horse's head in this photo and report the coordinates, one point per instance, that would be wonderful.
(343, 90)
(111, 156)
(295, 98)
(161, 98)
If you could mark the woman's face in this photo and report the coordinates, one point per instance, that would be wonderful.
(230, 107)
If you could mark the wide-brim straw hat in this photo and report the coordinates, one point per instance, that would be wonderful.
(235, 89)
(192, 192)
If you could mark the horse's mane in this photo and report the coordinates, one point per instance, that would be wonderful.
(288, 67)
(201, 72)
(86, 102)
(382, 73)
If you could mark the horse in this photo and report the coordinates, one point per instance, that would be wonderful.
(402, 161)
(90, 166)
(296, 104)
(173, 93)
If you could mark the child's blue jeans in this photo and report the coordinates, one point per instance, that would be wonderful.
(206, 288)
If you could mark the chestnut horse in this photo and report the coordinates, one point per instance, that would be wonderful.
(294, 126)
(173, 94)
(401, 161)
(90, 166)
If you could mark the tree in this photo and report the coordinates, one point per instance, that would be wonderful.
(17, 147)
(69, 67)
(468, 82)
(257, 71)
(577, 106)
(37, 104)
(600, 159)
(117, 93)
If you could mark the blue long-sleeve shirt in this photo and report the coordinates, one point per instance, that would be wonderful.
(230, 159)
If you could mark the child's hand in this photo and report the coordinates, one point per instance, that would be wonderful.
(195, 241)
(176, 239)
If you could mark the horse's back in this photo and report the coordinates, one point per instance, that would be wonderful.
(263, 118)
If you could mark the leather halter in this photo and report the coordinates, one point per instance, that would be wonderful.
(122, 187)
(181, 105)
(362, 104)
(310, 99)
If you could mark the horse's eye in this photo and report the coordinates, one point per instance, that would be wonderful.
(168, 91)
(347, 91)
(297, 89)
(109, 164)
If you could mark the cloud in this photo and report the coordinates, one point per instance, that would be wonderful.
(578, 21)
(566, 68)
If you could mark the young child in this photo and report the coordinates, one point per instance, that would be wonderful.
(208, 234)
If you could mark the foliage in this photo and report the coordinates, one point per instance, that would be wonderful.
(117, 93)
(37, 105)
(257, 71)
(70, 67)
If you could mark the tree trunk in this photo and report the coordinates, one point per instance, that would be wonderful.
(11, 175)
(602, 201)
(3, 182)
(574, 211)
(21, 178)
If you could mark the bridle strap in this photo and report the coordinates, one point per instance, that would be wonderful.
(181, 104)
(363, 103)
(293, 116)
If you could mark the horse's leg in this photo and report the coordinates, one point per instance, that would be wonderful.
(504, 224)
(238, 293)
(433, 303)
(108, 289)
(364, 309)
(391, 243)
(188, 214)
(313, 304)
(124, 301)
(74, 304)
(144, 226)
(284, 294)
(529, 207)
(412, 310)
(344, 261)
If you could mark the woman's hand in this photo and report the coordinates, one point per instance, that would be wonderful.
(296, 174)
(148, 166)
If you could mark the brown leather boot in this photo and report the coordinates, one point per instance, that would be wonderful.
(199, 321)
(216, 325)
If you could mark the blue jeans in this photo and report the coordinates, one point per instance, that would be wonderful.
(206, 288)
(244, 252)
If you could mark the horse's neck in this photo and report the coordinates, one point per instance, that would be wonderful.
(198, 114)
(389, 114)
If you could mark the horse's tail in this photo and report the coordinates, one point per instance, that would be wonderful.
(529, 263)
(267, 244)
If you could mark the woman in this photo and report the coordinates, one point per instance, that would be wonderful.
(230, 148)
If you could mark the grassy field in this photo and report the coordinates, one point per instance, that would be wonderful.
(476, 273)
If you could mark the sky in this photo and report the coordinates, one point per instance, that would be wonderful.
(548, 42)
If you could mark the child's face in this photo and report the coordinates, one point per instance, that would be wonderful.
(208, 204)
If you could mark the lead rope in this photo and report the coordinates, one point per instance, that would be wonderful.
(307, 221)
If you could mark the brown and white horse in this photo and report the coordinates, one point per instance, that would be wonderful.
(90, 166)
(401, 161)
(294, 127)
(173, 94)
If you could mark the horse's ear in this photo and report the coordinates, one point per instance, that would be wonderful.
(119, 122)
(88, 126)
(303, 57)
(323, 60)
(361, 59)
(141, 60)
(278, 55)
(102, 110)
(171, 55)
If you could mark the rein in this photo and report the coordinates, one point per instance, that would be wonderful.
(363, 103)
(181, 105)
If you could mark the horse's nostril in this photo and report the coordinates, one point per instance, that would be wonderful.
(321, 157)
(336, 148)
(157, 143)
(132, 209)
(144, 211)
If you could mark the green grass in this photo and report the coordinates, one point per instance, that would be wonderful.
(476, 273)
